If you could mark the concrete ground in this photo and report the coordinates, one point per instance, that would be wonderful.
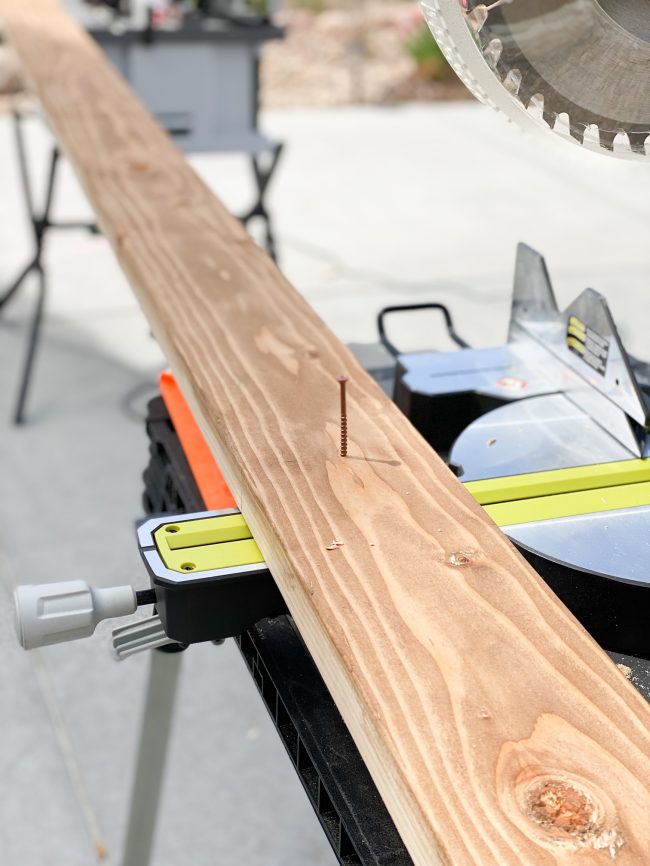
(372, 206)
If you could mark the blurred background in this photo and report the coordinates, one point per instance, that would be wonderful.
(393, 185)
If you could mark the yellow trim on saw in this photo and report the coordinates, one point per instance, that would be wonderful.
(556, 481)
(570, 504)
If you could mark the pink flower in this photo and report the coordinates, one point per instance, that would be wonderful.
(409, 19)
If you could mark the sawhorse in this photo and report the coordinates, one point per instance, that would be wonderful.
(41, 223)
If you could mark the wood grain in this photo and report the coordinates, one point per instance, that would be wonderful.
(496, 730)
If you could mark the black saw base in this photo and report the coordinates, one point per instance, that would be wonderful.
(332, 772)
(335, 778)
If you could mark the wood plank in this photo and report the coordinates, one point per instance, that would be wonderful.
(496, 730)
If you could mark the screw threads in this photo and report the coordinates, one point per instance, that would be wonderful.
(342, 380)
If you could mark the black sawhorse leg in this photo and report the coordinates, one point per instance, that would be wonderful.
(263, 171)
(40, 224)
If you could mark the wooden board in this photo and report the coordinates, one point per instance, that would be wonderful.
(495, 729)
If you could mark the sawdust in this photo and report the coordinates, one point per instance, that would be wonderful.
(336, 543)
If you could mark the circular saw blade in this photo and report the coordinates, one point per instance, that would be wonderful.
(578, 67)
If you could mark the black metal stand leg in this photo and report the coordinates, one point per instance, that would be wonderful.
(21, 150)
(29, 205)
(269, 240)
(34, 333)
(263, 175)
(39, 226)
(40, 223)
(11, 290)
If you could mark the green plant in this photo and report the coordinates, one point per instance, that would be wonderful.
(426, 53)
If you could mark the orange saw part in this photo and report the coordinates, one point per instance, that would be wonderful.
(211, 483)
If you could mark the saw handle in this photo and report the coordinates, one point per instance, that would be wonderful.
(402, 308)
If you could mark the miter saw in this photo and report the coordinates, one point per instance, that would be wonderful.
(550, 432)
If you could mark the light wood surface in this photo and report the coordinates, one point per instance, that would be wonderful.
(496, 730)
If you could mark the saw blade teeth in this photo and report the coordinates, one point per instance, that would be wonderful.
(512, 81)
(607, 139)
(562, 124)
(638, 142)
(477, 17)
(438, 25)
(591, 136)
(621, 143)
(485, 50)
(492, 52)
(549, 118)
(535, 108)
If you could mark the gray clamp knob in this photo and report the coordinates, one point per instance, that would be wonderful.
(56, 612)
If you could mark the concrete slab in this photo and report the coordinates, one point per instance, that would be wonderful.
(436, 198)
(42, 811)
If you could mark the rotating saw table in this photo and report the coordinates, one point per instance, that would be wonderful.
(549, 434)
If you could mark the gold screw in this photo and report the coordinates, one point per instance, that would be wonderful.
(342, 380)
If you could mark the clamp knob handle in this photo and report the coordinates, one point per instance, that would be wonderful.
(144, 634)
(52, 613)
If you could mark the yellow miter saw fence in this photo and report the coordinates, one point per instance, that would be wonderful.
(578, 67)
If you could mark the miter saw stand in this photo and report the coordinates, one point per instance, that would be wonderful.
(548, 432)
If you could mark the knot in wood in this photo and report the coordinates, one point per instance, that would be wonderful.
(563, 805)
(460, 559)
